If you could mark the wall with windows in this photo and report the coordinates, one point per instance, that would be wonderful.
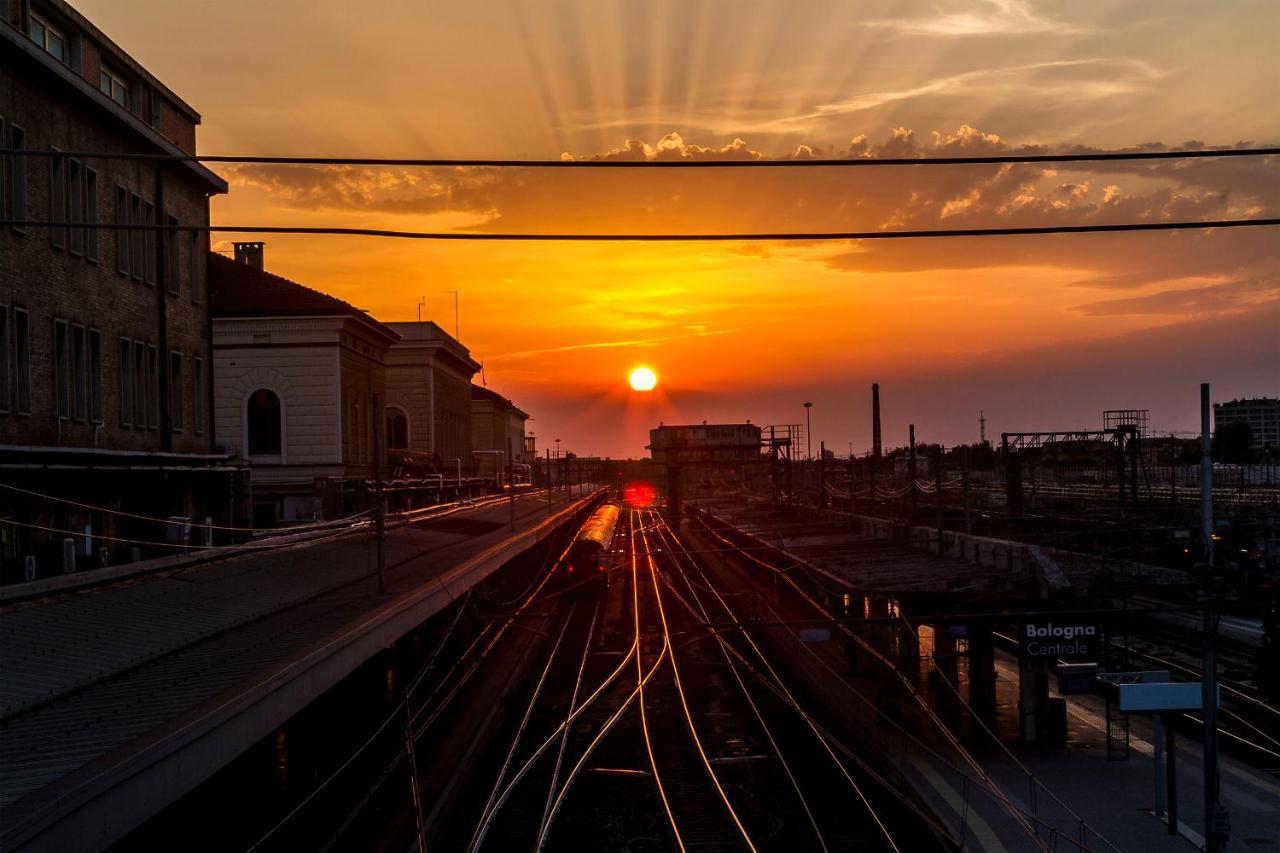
(259, 356)
(429, 378)
(106, 333)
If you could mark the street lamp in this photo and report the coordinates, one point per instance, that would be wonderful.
(808, 431)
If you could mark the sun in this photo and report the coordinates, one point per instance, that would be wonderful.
(643, 379)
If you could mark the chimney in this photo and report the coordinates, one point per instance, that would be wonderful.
(875, 420)
(249, 253)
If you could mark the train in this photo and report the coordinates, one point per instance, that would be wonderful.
(589, 553)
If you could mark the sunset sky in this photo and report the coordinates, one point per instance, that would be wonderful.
(1040, 332)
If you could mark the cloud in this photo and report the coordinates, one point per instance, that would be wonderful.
(1214, 298)
(673, 147)
(993, 17)
(862, 199)
(1076, 79)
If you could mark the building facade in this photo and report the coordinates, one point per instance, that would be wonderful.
(104, 334)
(300, 382)
(1262, 414)
(497, 431)
(428, 407)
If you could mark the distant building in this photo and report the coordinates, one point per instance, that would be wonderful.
(695, 443)
(299, 380)
(428, 405)
(104, 336)
(497, 424)
(1262, 414)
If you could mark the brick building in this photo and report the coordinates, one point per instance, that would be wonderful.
(428, 409)
(104, 334)
(299, 382)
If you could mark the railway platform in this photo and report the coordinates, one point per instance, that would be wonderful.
(1118, 797)
(119, 698)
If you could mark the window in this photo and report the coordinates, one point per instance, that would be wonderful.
(95, 376)
(195, 265)
(22, 361)
(149, 243)
(122, 235)
(175, 392)
(61, 369)
(18, 175)
(171, 256)
(91, 214)
(57, 200)
(139, 385)
(113, 87)
(75, 206)
(126, 382)
(197, 392)
(79, 374)
(397, 429)
(4, 359)
(153, 387)
(263, 423)
(50, 38)
(135, 237)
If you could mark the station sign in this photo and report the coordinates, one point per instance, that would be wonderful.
(1179, 696)
(1060, 639)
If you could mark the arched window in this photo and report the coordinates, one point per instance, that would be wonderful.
(263, 423)
(397, 429)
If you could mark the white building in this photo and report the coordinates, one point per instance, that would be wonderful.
(299, 377)
(428, 405)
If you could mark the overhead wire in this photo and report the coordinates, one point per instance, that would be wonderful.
(687, 163)
(639, 237)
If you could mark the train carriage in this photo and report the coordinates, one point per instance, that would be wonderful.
(589, 553)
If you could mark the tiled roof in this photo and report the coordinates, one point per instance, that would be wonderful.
(240, 290)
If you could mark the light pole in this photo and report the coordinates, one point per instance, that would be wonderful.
(561, 467)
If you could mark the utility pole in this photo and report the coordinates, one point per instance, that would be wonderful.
(1217, 824)
(511, 483)
(937, 492)
(982, 426)
(853, 489)
(964, 487)
(379, 510)
(548, 480)
(875, 437)
(911, 474)
(822, 475)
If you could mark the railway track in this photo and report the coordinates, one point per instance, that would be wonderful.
(642, 730)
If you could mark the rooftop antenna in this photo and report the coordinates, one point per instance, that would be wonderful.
(422, 303)
(456, 334)
(982, 426)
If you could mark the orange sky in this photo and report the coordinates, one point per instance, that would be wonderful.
(1038, 332)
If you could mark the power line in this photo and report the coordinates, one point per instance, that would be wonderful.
(991, 159)
(632, 237)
